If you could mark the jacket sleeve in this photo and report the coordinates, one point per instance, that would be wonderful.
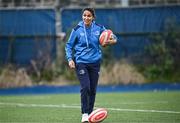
(70, 44)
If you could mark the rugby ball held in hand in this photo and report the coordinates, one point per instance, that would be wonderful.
(105, 36)
(98, 115)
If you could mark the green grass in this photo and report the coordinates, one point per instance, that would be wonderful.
(132, 107)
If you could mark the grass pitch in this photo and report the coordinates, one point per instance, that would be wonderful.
(131, 107)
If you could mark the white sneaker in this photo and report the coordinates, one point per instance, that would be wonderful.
(84, 118)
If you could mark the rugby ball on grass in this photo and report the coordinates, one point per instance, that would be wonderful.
(105, 36)
(98, 115)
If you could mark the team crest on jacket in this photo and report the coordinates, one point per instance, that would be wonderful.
(81, 72)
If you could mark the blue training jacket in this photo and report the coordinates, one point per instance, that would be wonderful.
(83, 44)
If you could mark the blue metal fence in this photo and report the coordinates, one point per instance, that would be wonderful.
(26, 34)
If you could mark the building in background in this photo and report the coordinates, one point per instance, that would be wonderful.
(79, 3)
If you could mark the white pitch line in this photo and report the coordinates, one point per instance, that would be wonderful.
(78, 107)
(147, 111)
(140, 103)
(39, 105)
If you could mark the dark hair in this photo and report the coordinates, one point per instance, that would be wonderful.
(91, 10)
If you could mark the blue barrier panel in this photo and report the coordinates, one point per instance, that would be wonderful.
(27, 22)
(25, 34)
(44, 89)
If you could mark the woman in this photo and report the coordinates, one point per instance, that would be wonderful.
(83, 53)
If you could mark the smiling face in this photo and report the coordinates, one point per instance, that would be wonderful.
(87, 17)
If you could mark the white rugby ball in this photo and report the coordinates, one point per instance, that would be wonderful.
(98, 115)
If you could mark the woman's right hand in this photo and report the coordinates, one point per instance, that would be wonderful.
(112, 40)
(71, 64)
